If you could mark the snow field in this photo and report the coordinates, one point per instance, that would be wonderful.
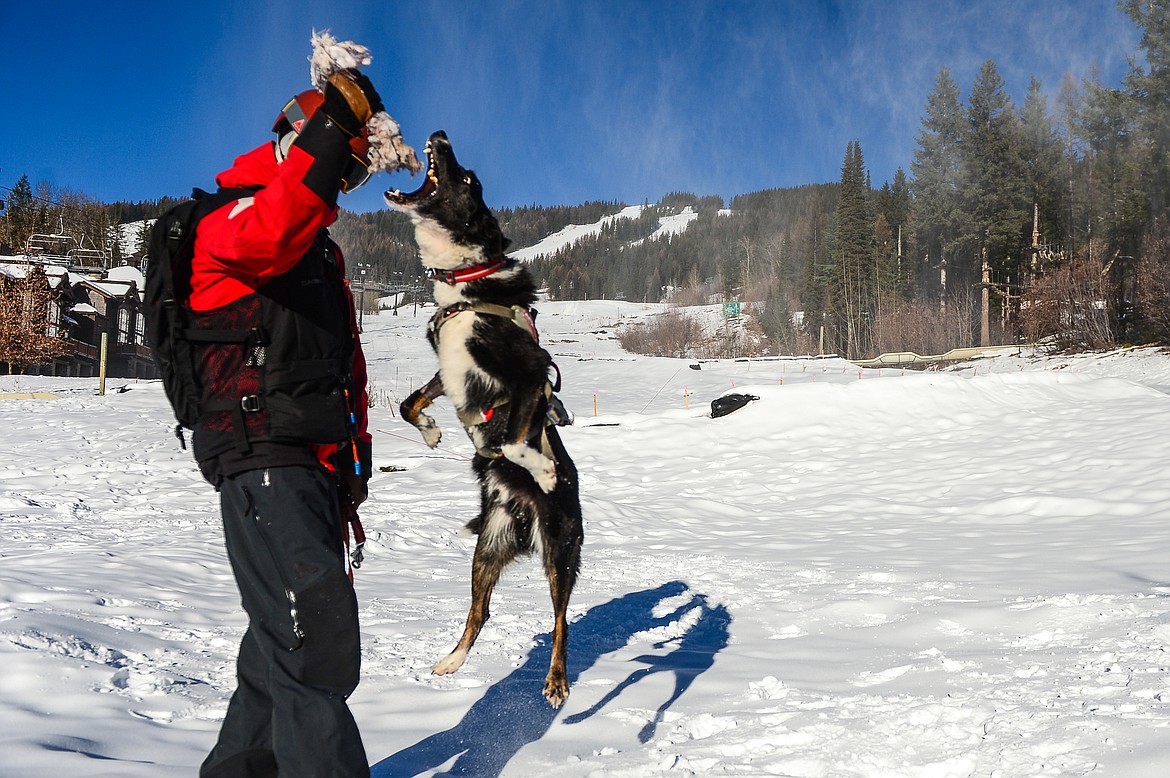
(946, 574)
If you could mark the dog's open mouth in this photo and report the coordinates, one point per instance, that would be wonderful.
(430, 185)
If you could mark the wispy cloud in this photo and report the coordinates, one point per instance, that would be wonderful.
(552, 101)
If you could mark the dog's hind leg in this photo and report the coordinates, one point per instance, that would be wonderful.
(556, 683)
(491, 556)
(561, 563)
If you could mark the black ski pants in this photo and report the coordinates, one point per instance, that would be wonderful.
(300, 658)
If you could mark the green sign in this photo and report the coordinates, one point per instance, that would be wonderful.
(732, 309)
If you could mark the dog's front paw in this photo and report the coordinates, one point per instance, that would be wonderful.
(431, 433)
(543, 469)
(546, 479)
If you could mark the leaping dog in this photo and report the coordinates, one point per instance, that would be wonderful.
(496, 374)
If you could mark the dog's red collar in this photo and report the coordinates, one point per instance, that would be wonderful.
(472, 273)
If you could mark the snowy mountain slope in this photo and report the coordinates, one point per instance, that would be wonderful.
(569, 235)
(130, 235)
(667, 225)
(863, 573)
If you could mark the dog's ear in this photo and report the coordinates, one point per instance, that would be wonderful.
(484, 228)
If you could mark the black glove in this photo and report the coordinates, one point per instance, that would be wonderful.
(350, 101)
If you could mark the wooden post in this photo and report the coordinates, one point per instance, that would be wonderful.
(1035, 237)
(102, 358)
(985, 322)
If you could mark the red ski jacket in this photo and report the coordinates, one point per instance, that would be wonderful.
(245, 243)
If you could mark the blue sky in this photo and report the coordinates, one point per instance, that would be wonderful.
(550, 101)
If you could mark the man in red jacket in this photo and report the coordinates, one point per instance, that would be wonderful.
(283, 437)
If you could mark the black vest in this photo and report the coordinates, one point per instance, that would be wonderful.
(291, 382)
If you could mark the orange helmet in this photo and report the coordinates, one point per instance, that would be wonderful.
(292, 120)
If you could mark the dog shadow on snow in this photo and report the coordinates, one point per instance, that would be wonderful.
(513, 713)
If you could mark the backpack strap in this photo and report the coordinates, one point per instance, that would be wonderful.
(176, 276)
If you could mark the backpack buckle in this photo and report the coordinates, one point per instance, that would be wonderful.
(250, 403)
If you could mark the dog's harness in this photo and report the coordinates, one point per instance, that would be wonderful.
(519, 315)
(523, 318)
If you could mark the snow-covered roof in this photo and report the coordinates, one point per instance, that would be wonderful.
(126, 273)
(19, 269)
(111, 288)
(13, 270)
(117, 283)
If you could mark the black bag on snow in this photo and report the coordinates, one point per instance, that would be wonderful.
(730, 403)
(169, 326)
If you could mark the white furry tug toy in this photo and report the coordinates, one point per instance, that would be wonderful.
(388, 149)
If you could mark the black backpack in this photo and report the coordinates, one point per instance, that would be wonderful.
(730, 403)
(168, 319)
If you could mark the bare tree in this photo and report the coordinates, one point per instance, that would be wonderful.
(672, 334)
(1071, 307)
(1153, 285)
(27, 332)
(923, 327)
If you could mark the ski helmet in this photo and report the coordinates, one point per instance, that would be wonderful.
(291, 121)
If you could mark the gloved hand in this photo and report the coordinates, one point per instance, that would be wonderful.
(350, 101)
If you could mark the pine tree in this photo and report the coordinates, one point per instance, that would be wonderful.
(1148, 90)
(1043, 158)
(895, 203)
(1115, 169)
(142, 239)
(813, 248)
(996, 193)
(776, 322)
(24, 215)
(938, 218)
(1068, 110)
(853, 289)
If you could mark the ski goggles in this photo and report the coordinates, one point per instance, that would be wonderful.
(357, 168)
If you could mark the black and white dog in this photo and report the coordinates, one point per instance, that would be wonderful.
(496, 374)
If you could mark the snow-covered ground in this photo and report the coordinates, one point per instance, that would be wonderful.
(863, 573)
